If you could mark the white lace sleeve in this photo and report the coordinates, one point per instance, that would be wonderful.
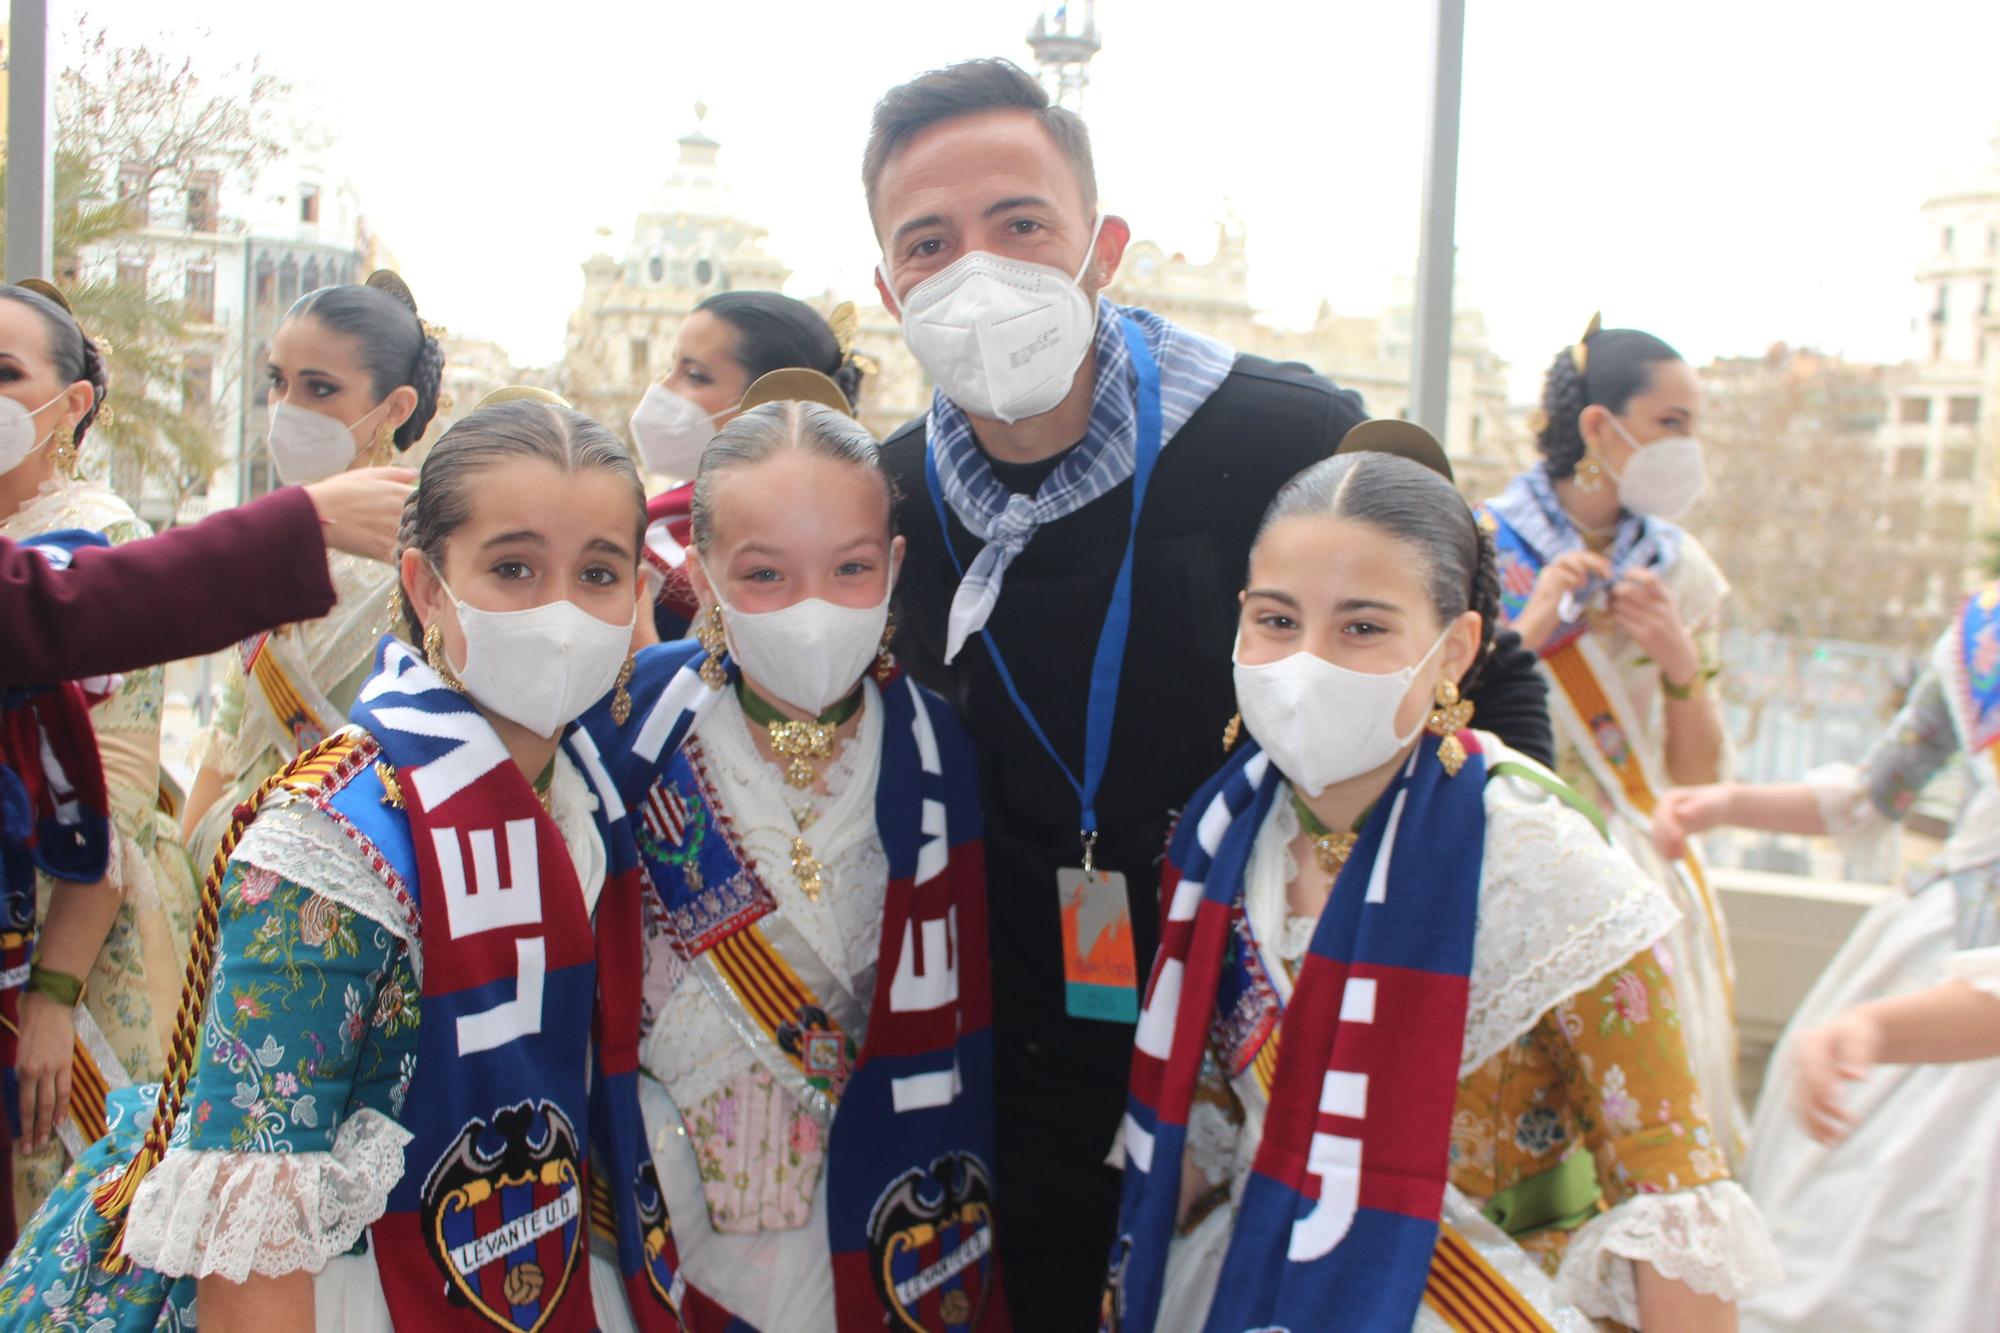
(229, 1214)
(1978, 968)
(1709, 1238)
(1558, 908)
(1849, 812)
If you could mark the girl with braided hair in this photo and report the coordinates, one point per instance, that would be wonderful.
(727, 345)
(99, 1000)
(353, 376)
(1401, 958)
(1624, 609)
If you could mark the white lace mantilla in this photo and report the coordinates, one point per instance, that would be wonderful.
(1709, 1238)
(1558, 908)
(229, 1214)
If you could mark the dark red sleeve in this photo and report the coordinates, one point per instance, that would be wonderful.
(185, 592)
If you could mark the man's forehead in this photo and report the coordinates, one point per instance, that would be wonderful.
(970, 162)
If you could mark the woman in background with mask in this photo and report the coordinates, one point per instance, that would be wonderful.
(818, 1043)
(726, 344)
(1625, 608)
(1403, 959)
(354, 378)
(415, 1005)
(98, 1002)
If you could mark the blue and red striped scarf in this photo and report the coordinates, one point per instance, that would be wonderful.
(55, 812)
(1339, 1218)
(517, 1141)
(909, 1186)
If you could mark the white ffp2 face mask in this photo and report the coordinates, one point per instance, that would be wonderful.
(1661, 479)
(543, 667)
(307, 447)
(1322, 723)
(810, 654)
(1001, 337)
(17, 432)
(671, 431)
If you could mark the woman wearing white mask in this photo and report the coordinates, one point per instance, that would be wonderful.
(818, 1050)
(1405, 977)
(1625, 610)
(99, 1000)
(415, 1002)
(725, 345)
(354, 378)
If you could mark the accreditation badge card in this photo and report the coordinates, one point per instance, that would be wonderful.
(1100, 966)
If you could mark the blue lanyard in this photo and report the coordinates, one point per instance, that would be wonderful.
(1109, 664)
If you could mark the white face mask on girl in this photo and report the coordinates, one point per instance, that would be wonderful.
(543, 667)
(810, 654)
(1001, 337)
(17, 432)
(1322, 723)
(307, 447)
(671, 431)
(1661, 479)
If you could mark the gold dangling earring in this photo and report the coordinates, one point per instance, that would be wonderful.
(385, 446)
(434, 654)
(66, 456)
(1589, 472)
(713, 639)
(621, 702)
(395, 608)
(1449, 716)
(1232, 732)
(885, 661)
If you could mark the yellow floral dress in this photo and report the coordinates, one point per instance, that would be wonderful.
(134, 987)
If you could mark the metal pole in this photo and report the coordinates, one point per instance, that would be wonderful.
(1430, 341)
(30, 169)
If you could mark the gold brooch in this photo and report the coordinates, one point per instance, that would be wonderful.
(806, 868)
(801, 743)
(1331, 850)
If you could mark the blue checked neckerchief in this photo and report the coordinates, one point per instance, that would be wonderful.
(1532, 509)
(1192, 367)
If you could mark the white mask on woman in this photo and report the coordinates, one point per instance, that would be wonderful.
(1322, 723)
(1661, 479)
(17, 432)
(543, 667)
(671, 430)
(810, 654)
(307, 447)
(1001, 337)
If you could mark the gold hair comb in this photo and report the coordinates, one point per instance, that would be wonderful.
(845, 321)
(1579, 353)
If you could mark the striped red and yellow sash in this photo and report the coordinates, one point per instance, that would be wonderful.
(774, 997)
(1469, 1294)
(286, 701)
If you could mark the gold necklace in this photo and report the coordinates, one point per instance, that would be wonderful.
(1330, 849)
(804, 744)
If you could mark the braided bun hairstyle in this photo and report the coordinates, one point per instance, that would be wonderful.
(1618, 364)
(775, 332)
(75, 356)
(396, 348)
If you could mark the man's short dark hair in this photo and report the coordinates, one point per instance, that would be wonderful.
(965, 89)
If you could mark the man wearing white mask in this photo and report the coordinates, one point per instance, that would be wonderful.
(1079, 504)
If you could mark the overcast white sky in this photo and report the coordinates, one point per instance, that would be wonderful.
(1726, 173)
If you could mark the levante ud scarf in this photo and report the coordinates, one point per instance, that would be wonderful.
(1339, 1218)
(909, 1186)
(519, 1143)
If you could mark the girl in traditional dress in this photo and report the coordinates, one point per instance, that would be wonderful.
(413, 1100)
(353, 379)
(729, 342)
(1893, 1228)
(1624, 609)
(1405, 977)
(818, 1048)
(117, 944)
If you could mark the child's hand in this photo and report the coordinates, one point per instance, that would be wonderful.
(1828, 1057)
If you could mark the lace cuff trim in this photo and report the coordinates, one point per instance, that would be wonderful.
(1977, 968)
(229, 1214)
(1709, 1238)
(1863, 832)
